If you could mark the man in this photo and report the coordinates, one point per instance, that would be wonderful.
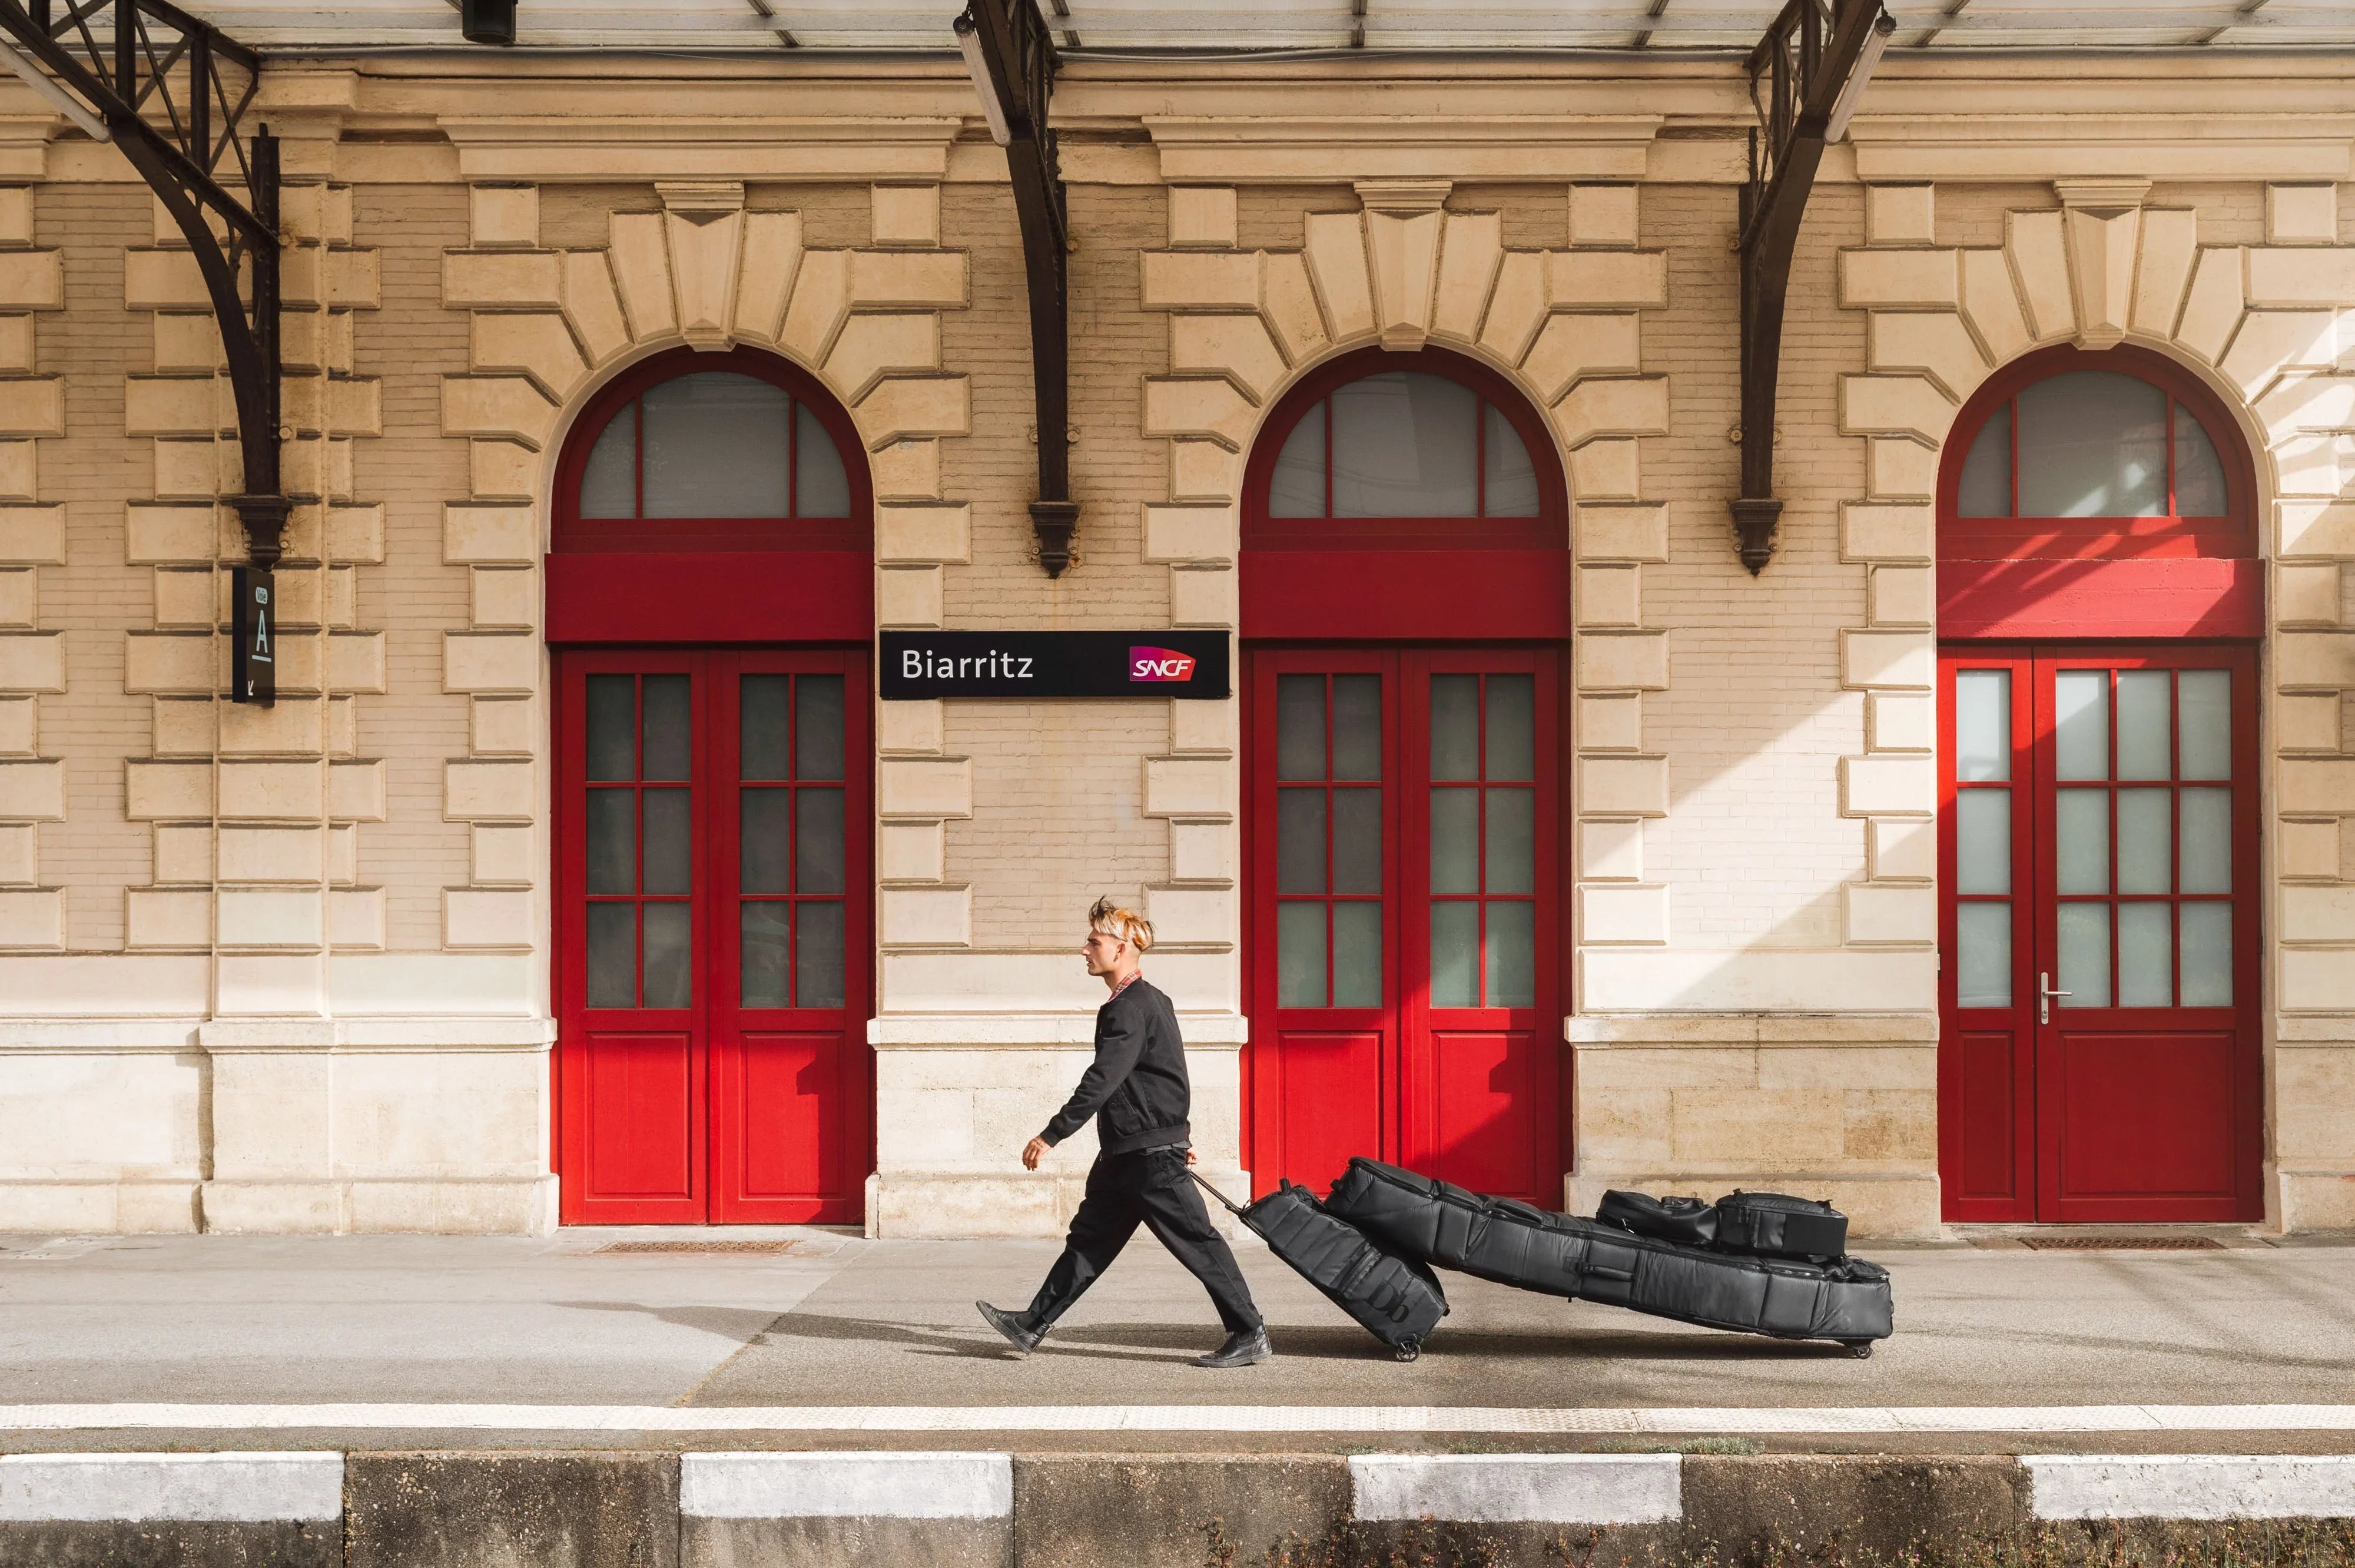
(1137, 1092)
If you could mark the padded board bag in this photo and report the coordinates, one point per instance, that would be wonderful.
(1691, 1220)
(1585, 1260)
(1396, 1300)
(1777, 1226)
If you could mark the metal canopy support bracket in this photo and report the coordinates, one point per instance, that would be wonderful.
(1813, 64)
(148, 77)
(1012, 58)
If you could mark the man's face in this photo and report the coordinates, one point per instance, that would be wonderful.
(1103, 952)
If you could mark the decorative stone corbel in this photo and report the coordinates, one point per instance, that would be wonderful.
(1403, 217)
(2102, 219)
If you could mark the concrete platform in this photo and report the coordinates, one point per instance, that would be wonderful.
(462, 1331)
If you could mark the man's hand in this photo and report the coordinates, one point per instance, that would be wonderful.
(1033, 1152)
(1191, 1157)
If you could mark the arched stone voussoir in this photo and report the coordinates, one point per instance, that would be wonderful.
(540, 344)
(903, 408)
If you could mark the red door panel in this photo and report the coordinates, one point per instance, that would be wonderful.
(1403, 925)
(643, 1140)
(2098, 849)
(713, 949)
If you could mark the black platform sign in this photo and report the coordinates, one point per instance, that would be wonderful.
(253, 636)
(918, 664)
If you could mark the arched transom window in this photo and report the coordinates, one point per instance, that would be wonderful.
(1423, 450)
(742, 454)
(1403, 443)
(2116, 453)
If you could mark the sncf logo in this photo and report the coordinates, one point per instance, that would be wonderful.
(1159, 664)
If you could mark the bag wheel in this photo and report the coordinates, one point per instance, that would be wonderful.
(1861, 1349)
(1407, 1349)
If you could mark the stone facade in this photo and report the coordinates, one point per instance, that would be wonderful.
(288, 969)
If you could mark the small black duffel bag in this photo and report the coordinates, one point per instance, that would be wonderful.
(1689, 1220)
(1777, 1226)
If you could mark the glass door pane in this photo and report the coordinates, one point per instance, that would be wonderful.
(793, 841)
(1483, 818)
(638, 841)
(1328, 840)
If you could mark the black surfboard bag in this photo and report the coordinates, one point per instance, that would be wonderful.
(1585, 1260)
(1692, 1221)
(1395, 1299)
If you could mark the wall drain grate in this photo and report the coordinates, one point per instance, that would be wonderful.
(767, 1249)
(2121, 1243)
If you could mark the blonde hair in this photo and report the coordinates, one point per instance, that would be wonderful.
(1129, 926)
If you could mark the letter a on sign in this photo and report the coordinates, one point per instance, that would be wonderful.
(253, 636)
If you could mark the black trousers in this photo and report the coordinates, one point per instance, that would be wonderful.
(1150, 1187)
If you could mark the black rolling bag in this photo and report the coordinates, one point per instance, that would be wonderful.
(1691, 1220)
(1776, 1225)
(1585, 1260)
(1395, 1299)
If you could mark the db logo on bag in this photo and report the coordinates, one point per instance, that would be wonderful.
(1159, 664)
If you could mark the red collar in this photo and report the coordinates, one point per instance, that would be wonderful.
(1125, 984)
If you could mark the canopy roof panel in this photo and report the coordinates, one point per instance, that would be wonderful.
(1254, 26)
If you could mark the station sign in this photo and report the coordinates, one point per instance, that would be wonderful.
(253, 636)
(1160, 663)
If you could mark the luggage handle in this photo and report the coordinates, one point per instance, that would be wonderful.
(1229, 1203)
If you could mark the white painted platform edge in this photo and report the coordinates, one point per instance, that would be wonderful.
(2190, 1486)
(1519, 1489)
(1690, 1421)
(234, 1488)
(846, 1486)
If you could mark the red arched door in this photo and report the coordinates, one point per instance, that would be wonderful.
(2100, 599)
(1404, 597)
(712, 800)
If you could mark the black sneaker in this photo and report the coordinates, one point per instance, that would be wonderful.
(1248, 1349)
(1015, 1325)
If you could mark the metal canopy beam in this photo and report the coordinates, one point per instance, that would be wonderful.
(171, 91)
(1013, 61)
(1812, 64)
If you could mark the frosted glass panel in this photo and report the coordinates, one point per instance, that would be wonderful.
(2203, 709)
(1358, 954)
(668, 851)
(821, 488)
(2085, 955)
(2144, 698)
(2081, 704)
(1357, 840)
(714, 447)
(1455, 726)
(766, 948)
(669, 957)
(2092, 443)
(1985, 489)
(612, 841)
(1512, 727)
(1300, 726)
(1455, 955)
(1406, 444)
(764, 727)
(1512, 857)
(2083, 828)
(1358, 727)
(818, 840)
(1982, 724)
(1300, 955)
(609, 480)
(1300, 840)
(2146, 956)
(818, 727)
(1983, 967)
(665, 727)
(2199, 476)
(612, 740)
(1512, 955)
(1983, 841)
(818, 955)
(2206, 829)
(1297, 489)
(764, 861)
(2206, 955)
(2146, 857)
(612, 960)
(1512, 477)
(1456, 841)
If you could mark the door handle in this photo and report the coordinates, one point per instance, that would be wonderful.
(2044, 995)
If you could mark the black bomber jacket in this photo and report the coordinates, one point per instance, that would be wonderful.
(1136, 1087)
